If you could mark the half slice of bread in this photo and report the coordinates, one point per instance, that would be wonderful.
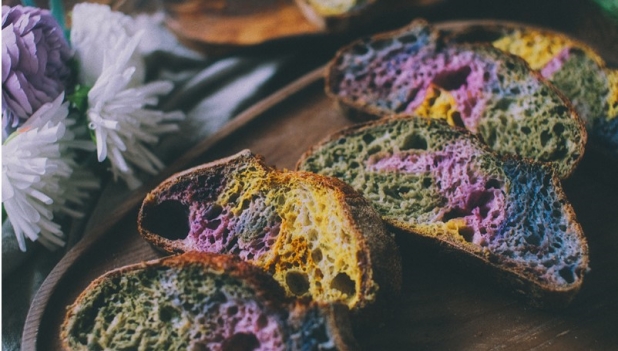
(317, 236)
(414, 71)
(199, 302)
(428, 179)
(572, 66)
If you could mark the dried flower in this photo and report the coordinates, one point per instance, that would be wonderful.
(36, 168)
(35, 58)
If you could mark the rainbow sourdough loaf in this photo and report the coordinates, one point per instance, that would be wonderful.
(497, 96)
(199, 302)
(317, 236)
(442, 184)
(573, 67)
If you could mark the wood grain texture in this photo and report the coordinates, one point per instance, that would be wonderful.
(218, 26)
(443, 305)
(236, 22)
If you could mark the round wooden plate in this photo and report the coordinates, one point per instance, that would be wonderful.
(441, 309)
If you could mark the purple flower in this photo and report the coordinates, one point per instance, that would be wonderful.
(35, 58)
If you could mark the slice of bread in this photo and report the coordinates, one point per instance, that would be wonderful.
(431, 180)
(317, 236)
(199, 301)
(572, 66)
(413, 71)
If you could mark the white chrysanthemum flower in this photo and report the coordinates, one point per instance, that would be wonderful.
(37, 163)
(118, 115)
(95, 29)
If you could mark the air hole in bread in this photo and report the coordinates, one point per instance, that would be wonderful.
(168, 313)
(262, 321)
(466, 232)
(360, 49)
(316, 255)
(232, 310)
(558, 128)
(545, 137)
(343, 283)
(408, 38)
(374, 149)
(393, 192)
(504, 104)
(533, 239)
(414, 142)
(240, 342)
(456, 119)
(170, 219)
(367, 138)
(297, 282)
(493, 184)
(381, 44)
(559, 110)
(454, 213)
(452, 80)
(567, 274)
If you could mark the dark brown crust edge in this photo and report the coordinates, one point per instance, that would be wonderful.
(536, 294)
(362, 113)
(380, 258)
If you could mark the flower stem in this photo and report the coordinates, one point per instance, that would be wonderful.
(56, 7)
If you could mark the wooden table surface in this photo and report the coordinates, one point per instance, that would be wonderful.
(444, 307)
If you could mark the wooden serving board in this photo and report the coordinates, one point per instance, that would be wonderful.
(443, 306)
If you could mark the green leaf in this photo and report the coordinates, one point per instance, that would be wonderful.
(79, 103)
(79, 98)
